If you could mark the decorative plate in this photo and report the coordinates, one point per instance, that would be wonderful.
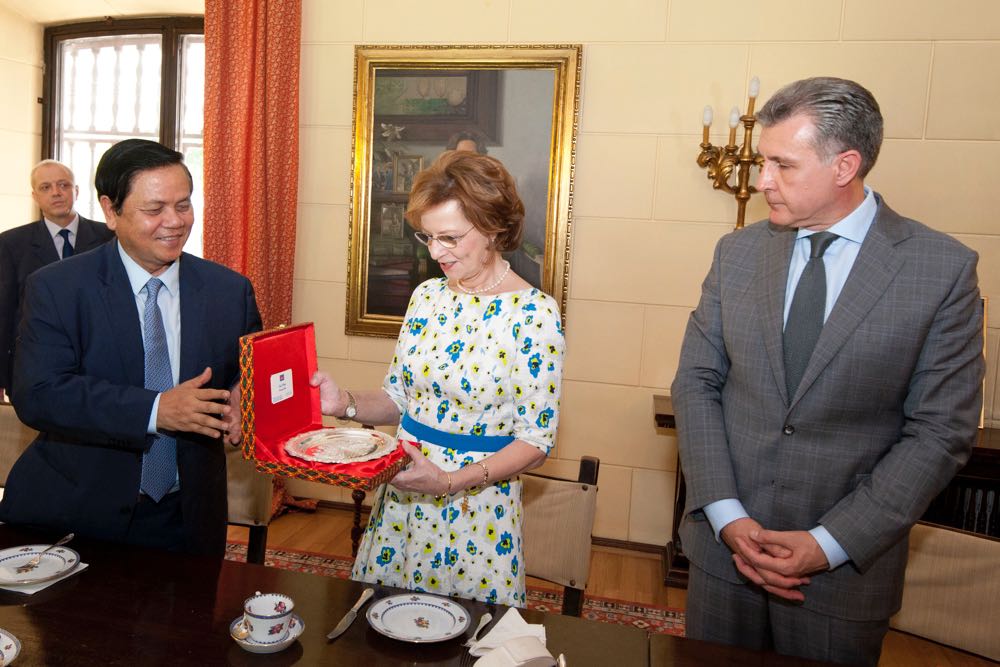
(418, 618)
(9, 647)
(295, 628)
(340, 445)
(53, 564)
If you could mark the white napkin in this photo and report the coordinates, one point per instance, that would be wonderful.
(510, 626)
(518, 652)
(31, 589)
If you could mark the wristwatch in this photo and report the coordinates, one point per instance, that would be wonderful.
(352, 406)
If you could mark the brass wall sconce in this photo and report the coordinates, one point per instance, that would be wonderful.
(722, 161)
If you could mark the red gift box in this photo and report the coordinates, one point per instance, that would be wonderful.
(278, 403)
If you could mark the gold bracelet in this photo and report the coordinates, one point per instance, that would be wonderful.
(486, 472)
(448, 492)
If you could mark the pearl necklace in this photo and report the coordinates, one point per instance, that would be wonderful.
(488, 288)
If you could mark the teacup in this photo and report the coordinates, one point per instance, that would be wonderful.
(266, 617)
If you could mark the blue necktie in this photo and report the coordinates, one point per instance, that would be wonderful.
(159, 464)
(805, 317)
(67, 246)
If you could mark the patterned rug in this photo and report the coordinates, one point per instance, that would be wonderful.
(651, 618)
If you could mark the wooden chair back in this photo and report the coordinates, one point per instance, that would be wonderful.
(558, 520)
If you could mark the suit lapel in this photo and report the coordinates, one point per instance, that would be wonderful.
(42, 246)
(773, 271)
(86, 237)
(874, 269)
(193, 318)
(116, 292)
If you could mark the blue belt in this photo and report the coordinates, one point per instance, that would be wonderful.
(462, 442)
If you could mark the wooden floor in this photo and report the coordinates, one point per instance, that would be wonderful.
(614, 573)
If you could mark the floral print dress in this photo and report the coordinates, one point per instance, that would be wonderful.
(471, 366)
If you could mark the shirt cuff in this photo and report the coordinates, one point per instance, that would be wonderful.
(723, 512)
(151, 426)
(835, 554)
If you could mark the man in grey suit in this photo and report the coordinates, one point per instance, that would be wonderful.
(23, 250)
(828, 389)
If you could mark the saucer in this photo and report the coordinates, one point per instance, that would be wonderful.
(296, 626)
(9, 645)
(51, 565)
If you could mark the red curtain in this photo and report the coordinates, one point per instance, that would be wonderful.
(252, 144)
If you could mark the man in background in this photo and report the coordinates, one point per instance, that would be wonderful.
(829, 388)
(60, 233)
(125, 363)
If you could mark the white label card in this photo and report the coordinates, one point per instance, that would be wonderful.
(281, 386)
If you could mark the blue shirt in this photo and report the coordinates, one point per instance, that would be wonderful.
(169, 300)
(838, 260)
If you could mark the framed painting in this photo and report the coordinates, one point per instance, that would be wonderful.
(405, 168)
(519, 104)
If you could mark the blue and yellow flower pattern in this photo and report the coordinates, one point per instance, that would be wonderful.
(489, 366)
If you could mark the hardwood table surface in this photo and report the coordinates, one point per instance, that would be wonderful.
(670, 651)
(140, 607)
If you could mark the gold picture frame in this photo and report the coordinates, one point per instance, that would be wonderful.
(409, 102)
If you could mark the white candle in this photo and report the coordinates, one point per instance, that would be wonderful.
(734, 120)
(706, 116)
(754, 87)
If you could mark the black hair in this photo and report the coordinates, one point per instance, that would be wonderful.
(125, 160)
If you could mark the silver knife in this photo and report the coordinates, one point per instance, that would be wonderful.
(349, 617)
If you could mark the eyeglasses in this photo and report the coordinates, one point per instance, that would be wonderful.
(446, 240)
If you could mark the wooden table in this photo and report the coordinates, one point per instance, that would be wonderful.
(669, 651)
(139, 607)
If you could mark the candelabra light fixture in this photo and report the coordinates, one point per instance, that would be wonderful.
(722, 161)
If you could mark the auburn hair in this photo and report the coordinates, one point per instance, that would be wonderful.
(483, 188)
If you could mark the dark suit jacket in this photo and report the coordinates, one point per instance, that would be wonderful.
(24, 250)
(78, 379)
(885, 414)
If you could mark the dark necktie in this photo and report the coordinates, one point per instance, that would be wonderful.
(805, 317)
(159, 463)
(67, 246)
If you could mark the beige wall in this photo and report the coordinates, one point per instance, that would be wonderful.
(646, 220)
(20, 115)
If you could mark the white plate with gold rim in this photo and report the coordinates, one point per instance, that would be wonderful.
(10, 647)
(418, 618)
(52, 565)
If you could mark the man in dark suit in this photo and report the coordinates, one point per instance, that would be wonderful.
(828, 389)
(25, 249)
(125, 363)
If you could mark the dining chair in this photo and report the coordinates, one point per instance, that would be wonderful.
(14, 439)
(250, 494)
(558, 519)
(951, 593)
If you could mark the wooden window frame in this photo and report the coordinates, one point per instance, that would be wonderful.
(172, 29)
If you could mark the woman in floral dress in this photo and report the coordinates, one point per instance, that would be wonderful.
(474, 383)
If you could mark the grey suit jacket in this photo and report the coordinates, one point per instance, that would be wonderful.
(886, 412)
(24, 250)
